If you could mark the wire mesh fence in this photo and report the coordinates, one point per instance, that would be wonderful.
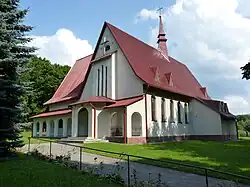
(136, 170)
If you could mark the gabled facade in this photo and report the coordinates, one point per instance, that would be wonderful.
(128, 91)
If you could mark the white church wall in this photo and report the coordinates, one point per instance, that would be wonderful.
(121, 80)
(107, 36)
(205, 120)
(128, 84)
(91, 88)
(103, 121)
(229, 127)
(158, 128)
(48, 121)
(131, 109)
(59, 106)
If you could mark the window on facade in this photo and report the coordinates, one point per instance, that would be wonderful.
(163, 110)
(171, 111)
(98, 82)
(107, 48)
(60, 123)
(44, 127)
(153, 108)
(106, 81)
(102, 80)
(179, 112)
(186, 113)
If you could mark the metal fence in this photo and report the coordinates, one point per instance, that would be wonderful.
(133, 168)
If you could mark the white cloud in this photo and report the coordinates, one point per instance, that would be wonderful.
(212, 38)
(62, 48)
(145, 14)
(238, 104)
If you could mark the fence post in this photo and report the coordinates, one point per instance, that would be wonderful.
(206, 177)
(80, 158)
(50, 149)
(128, 171)
(29, 145)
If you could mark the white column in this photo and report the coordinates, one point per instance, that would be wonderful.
(35, 129)
(56, 128)
(65, 125)
(113, 77)
(74, 126)
(47, 128)
(40, 129)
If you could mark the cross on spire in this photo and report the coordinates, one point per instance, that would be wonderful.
(162, 40)
(160, 10)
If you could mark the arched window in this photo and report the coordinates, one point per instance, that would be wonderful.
(136, 122)
(186, 113)
(60, 124)
(116, 124)
(44, 127)
(153, 108)
(171, 111)
(179, 112)
(163, 110)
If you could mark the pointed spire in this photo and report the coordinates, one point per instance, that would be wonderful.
(162, 40)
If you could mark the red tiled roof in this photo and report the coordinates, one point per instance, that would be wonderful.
(125, 102)
(53, 113)
(97, 99)
(143, 58)
(72, 85)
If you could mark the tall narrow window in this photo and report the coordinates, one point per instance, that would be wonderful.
(171, 111)
(98, 82)
(186, 113)
(179, 112)
(163, 110)
(102, 81)
(106, 81)
(153, 108)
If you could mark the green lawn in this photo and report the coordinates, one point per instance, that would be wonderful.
(226, 156)
(31, 172)
(27, 134)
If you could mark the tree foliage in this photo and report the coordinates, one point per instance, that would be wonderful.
(41, 79)
(244, 123)
(14, 54)
(246, 71)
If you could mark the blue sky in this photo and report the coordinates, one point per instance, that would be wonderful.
(211, 37)
(85, 18)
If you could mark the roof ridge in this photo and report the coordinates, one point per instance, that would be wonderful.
(136, 39)
(84, 57)
(177, 61)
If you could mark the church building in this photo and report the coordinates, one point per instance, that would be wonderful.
(130, 92)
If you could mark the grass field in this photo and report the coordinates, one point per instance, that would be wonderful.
(27, 134)
(31, 172)
(225, 156)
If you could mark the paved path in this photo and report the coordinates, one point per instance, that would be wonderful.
(144, 172)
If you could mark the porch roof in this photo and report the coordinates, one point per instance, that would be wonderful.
(125, 102)
(53, 113)
(96, 99)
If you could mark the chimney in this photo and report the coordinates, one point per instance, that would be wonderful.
(162, 40)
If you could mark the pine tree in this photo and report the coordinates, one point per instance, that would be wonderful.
(14, 54)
